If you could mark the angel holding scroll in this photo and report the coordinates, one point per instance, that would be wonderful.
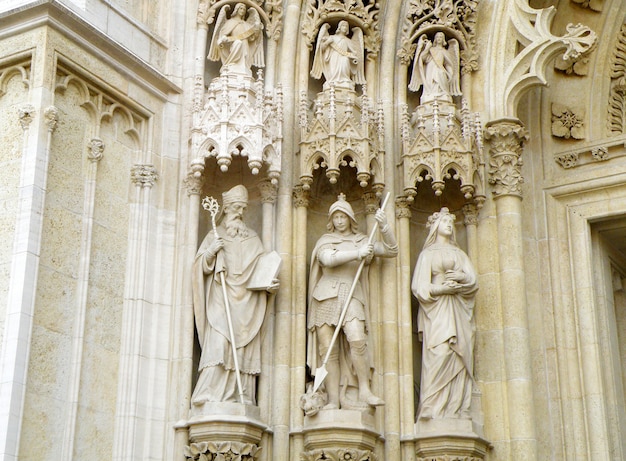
(237, 41)
(339, 58)
(436, 68)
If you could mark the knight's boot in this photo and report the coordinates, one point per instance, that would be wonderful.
(358, 352)
(331, 382)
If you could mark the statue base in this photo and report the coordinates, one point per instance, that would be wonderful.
(226, 422)
(450, 439)
(343, 432)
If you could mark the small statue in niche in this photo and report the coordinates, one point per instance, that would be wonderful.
(339, 58)
(436, 69)
(238, 42)
(227, 264)
(334, 265)
(445, 285)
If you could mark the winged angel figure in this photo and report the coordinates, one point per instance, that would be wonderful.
(436, 68)
(339, 58)
(236, 41)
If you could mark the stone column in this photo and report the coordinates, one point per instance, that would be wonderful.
(183, 364)
(18, 321)
(268, 199)
(95, 149)
(470, 214)
(143, 177)
(507, 138)
(298, 365)
(405, 330)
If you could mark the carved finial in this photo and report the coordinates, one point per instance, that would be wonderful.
(342, 197)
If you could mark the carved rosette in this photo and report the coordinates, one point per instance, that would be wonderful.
(338, 454)
(143, 175)
(26, 113)
(506, 139)
(568, 122)
(222, 451)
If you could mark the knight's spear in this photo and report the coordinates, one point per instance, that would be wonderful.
(321, 372)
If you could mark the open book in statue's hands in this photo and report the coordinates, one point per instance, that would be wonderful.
(265, 272)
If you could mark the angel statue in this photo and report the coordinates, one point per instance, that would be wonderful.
(339, 58)
(436, 68)
(237, 42)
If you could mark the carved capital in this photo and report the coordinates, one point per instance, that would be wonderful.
(403, 210)
(269, 191)
(143, 175)
(470, 214)
(338, 454)
(506, 139)
(193, 183)
(371, 202)
(300, 197)
(95, 148)
(26, 113)
(214, 451)
(51, 116)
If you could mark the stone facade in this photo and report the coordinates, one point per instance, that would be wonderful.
(115, 126)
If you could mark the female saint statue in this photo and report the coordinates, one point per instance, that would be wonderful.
(445, 285)
(436, 68)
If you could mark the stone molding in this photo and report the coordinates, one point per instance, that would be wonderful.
(617, 93)
(591, 154)
(218, 451)
(533, 27)
(22, 69)
(506, 139)
(338, 454)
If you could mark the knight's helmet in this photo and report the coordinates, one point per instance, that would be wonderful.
(341, 205)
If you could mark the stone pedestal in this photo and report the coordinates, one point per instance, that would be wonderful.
(339, 434)
(226, 429)
(438, 440)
